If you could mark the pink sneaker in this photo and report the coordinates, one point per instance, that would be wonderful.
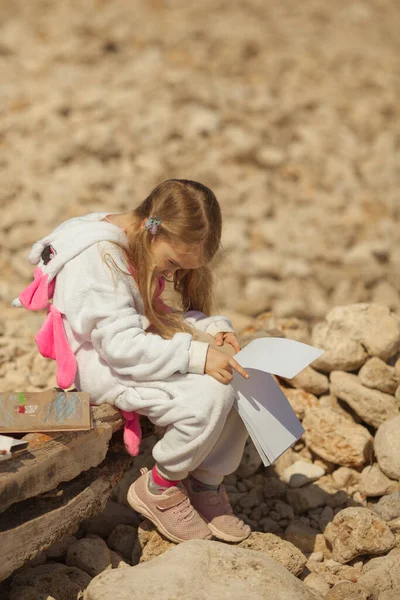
(171, 512)
(215, 508)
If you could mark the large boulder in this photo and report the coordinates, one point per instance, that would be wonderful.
(202, 570)
(350, 334)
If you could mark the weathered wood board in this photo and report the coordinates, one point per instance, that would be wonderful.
(53, 458)
(30, 527)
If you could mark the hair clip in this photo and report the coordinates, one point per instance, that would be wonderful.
(152, 224)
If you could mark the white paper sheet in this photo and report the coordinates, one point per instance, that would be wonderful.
(279, 356)
(265, 410)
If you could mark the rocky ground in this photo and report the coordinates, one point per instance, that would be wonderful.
(327, 512)
(289, 111)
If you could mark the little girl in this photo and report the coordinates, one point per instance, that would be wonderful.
(112, 336)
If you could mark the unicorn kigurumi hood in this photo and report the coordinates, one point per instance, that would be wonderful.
(53, 251)
(50, 254)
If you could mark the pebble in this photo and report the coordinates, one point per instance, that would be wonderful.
(300, 473)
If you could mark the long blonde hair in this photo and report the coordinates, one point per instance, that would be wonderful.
(190, 214)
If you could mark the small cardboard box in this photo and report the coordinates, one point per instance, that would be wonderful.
(50, 410)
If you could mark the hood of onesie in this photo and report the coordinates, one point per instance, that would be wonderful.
(52, 252)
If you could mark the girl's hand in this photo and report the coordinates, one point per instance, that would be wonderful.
(229, 338)
(219, 365)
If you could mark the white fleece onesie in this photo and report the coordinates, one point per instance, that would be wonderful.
(118, 362)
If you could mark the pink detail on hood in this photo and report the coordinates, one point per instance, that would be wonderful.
(52, 343)
(37, 294)
(132, 432)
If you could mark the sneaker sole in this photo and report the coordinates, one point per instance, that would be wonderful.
(142, 509)
(225, 536)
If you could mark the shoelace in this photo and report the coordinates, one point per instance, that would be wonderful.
(184, 509)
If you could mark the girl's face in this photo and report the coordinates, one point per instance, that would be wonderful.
(169, 258)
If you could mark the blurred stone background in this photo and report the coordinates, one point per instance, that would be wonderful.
(289, 111)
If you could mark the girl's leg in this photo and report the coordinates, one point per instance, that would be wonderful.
(205, 492)
(225, 456)
(194, 419)
(193, 409)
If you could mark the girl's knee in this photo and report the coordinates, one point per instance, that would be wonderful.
(218, 396)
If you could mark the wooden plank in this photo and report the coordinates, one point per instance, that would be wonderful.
(53, 458)
(29, 527)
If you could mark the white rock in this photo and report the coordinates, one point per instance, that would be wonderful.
(301, 473)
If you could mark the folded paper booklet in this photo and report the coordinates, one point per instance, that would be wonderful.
(265, 410)
(50, 410)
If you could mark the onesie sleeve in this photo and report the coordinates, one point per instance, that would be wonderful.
(101, 306)
(211, 325)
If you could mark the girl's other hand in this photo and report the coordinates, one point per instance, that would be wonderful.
(219, 365)
(229, 338)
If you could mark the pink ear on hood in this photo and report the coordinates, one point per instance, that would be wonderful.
(52, 343)
(36, 296)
